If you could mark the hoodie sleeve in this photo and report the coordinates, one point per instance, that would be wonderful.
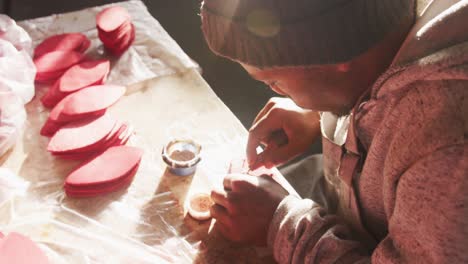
(302, 232)
(428, 224)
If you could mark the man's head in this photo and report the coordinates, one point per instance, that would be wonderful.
(318, 52)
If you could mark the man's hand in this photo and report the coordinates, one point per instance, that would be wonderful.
(244, 209)
(300, 126)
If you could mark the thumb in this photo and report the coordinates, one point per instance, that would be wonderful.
(274, 156)
(260, 133)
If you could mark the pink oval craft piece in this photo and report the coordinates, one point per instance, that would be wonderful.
(89, 102)
(118, 136)
(18, 249)
(112, 18)
(124, 43)
(65, 42)
(95, 190)
(115, 29)
(53, 124)
(49, 128)
(57, 61)
(52, 65)
(112, 165)
(92, 99)
(77, 136)
(53, 96)
(116, 36)
(83, 75)
(79, 76)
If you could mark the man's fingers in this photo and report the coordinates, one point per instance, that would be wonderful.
(224, 230)
(227, 182)
(239, 183)
(258, 163)
(267, 124)
(220, 197)
(223, 222)
(278, 138)
(269, 156)
(252, 145)
(220, 214)
(230, 178)
(227, 232)
(242, 184)
(270, 165)
(260, 132)
(277, 156)
(270, 104)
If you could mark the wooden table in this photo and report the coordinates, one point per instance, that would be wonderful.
(147, 221)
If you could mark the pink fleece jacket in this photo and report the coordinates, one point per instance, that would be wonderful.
(412, 189)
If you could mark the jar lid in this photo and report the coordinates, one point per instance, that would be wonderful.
(198, 206)
(181, 153)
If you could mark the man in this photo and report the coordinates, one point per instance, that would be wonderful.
(389, 79)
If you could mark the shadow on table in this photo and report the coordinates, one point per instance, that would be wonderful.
(162, 216)
(216, 249)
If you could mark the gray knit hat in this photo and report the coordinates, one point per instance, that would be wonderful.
(269, 33)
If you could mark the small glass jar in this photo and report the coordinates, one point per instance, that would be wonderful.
(182, 156)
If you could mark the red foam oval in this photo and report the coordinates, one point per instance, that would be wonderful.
(56, 61)
(79, 135)
(112, 164)
(83, 75)
(66, 42)
(112, 18)
(16, 248)
(92, 99)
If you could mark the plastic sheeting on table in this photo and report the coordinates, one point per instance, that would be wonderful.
(145, 223)
(14, 34)
(12, 119)
(17, 71)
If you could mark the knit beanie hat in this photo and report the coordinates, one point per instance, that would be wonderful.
(278, 33)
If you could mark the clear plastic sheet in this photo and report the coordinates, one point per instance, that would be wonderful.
(17, 71)
(11, 185)
(12, 119)
(14, 34)
(64, 240)
(147, 222)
